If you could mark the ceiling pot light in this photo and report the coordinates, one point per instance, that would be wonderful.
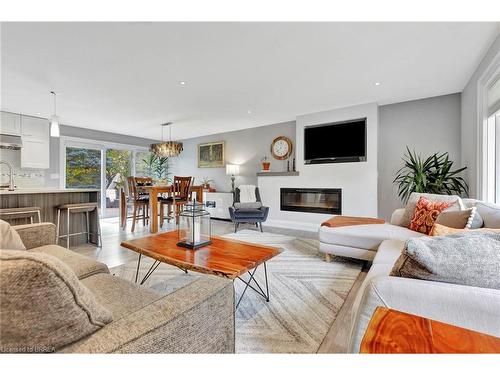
(166, 148)
(377, 83)
(183, 82)
(54, 120)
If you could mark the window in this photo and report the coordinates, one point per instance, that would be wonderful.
(143, 164)
(83, 168)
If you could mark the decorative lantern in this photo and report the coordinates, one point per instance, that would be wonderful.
(194, 226)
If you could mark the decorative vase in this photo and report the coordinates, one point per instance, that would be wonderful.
(266, 165)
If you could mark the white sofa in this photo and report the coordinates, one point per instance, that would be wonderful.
(464, 306)
(362, 241)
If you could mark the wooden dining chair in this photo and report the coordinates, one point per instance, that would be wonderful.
(179, 196)
(139, 198)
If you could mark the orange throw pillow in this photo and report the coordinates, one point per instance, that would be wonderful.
(425, 214)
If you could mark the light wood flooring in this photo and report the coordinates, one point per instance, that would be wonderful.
(112, 254)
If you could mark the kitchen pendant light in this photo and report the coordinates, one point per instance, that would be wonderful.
(54, 120)
(166, 149)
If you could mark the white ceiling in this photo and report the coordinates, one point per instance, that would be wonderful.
(124, 77)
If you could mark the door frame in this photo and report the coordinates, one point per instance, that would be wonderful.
(483, 83)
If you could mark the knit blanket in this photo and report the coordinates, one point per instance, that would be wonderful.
(466, 258)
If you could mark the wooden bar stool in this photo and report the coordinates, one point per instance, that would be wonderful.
(20, 213)
(73, 208)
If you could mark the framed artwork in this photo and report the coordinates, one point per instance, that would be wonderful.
(211, 155)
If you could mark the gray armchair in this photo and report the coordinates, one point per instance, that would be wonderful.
(248, 212)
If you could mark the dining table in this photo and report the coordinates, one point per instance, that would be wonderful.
(154, 191)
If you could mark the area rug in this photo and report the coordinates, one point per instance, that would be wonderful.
(306, 294)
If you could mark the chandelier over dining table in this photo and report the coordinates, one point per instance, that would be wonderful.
(166, 148)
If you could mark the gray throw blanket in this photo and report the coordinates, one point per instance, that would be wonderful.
(466, 259)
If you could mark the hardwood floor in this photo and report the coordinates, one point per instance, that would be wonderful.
(112, 254)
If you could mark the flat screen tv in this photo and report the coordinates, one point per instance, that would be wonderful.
(339, 142)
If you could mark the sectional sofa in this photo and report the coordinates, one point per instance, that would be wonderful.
(465, 306)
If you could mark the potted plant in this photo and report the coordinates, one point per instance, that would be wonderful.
(206, 183)
(432, 175)
(266, 164)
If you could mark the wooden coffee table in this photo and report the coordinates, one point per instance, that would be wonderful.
(223, 257)
(392, 331)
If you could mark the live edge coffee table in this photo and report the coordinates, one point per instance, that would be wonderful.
(223, 257)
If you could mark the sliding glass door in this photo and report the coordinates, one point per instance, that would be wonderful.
(89, 164)
(118, 168)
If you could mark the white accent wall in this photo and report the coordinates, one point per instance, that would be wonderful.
(358, 180)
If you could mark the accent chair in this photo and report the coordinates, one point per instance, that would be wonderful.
(247, 207)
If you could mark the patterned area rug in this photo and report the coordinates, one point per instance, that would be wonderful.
(306, 295)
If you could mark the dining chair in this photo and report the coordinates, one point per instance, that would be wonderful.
(179, 196)
(139, 198)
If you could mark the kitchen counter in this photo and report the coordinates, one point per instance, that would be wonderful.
(46, 191)
(48, 199)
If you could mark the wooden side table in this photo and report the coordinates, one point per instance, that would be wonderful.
(392, 331)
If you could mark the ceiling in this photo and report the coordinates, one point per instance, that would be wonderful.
(126, 77)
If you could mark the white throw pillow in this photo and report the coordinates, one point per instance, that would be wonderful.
(9, 238)
(490, 214)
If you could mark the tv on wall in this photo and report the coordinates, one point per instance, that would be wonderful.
(339, 142)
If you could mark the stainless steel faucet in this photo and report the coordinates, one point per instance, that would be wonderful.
(11, 174)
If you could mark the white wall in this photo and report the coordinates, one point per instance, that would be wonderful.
(358, 181)
(471, 121)
(427, 126)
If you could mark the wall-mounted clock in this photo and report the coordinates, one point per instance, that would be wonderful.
(281, 148)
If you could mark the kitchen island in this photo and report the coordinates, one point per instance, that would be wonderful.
(48, 200)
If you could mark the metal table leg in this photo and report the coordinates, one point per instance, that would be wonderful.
(260, 291)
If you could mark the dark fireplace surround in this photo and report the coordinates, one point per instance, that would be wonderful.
(320, 201)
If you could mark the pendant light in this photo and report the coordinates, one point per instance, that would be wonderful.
(54, 120)
(166, 149)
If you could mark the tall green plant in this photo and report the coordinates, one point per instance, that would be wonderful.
(432, 175)
(158, 167)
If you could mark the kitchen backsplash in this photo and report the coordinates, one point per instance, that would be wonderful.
(23, 178)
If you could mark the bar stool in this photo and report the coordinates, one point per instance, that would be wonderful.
(20, 213)
(72, 208)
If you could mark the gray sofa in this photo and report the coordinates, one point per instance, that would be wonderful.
(197, 318)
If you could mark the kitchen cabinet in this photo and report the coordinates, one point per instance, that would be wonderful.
(10, 123)
(35, 152)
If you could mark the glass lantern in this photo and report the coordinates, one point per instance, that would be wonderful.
(194, 229)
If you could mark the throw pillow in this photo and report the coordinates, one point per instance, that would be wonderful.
(247, 205)
(414, 197)
(471, 258)
(9, 238)
(43, 305)
(457, 219)
(490, 214)
(441, 230)
(426, 213)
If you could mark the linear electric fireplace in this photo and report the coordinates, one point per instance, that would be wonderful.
(321, 201)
